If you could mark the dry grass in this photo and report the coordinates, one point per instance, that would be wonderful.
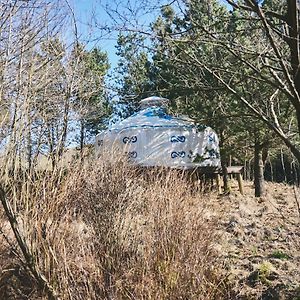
(109, 231)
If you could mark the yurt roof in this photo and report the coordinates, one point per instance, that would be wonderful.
(153, 117)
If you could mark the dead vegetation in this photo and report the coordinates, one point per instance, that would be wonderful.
(260, 242)
(108, 230)
(105, 231)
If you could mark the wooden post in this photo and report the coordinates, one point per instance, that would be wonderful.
(237, 170)
(218, 180)
(240, 181)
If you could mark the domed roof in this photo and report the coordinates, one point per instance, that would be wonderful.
(153, 117)
(154, 101)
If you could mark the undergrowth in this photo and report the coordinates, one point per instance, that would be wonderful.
(110, 231)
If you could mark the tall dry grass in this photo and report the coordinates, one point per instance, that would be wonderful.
(108, 230)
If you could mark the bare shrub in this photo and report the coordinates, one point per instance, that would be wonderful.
(153, 239)
(112, 231)
(60, 254)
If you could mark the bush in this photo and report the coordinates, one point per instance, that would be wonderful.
(113, 231)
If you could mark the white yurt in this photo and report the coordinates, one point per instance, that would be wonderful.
(152, 137)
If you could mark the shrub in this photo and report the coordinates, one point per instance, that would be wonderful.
(108, 230)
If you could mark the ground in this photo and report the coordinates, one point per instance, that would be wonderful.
(260, 241)
(256, 247)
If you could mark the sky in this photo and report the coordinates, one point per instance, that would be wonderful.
(91, 11)
(88, 12)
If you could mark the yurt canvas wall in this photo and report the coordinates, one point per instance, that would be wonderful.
(153, 138)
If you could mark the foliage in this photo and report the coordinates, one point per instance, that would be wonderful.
(219, 65)
(92, 105)
(47, 85)
(279, 254)
(132, 79)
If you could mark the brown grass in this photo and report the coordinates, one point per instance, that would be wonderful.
(108, 231)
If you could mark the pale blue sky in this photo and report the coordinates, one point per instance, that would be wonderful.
(86, 12)
(89, 11)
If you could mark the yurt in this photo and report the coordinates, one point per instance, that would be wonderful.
(152, 137)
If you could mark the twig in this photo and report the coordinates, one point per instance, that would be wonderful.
(29, 258)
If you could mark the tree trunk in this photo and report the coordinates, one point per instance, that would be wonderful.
(29, 147)
(283, 165)
(292, 19)
(224, 164)
(258, 170)
(50, 133)
(64, 131)
(82, 135)
(271, 170)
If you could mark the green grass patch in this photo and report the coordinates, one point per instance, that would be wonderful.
(280, 255)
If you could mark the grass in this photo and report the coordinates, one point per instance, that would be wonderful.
(111, 231)
(279, 255)
(265, 273)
